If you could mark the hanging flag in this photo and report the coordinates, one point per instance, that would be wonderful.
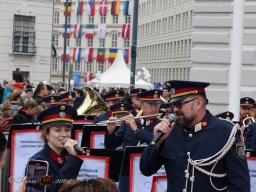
(126, 56)
(112, 55)
(89, 76)
(126, 10)
(68, 30)
(101, 55)
(115, 7)
(90, 8)
(88, 55)
(89, 31)
(79, 8)
(102, 31)
(103, 10)
(77, 54)
(67, 55)
(126, 30)
(78, 31)
(69, 8)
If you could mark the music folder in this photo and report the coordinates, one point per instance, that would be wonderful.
(125, 167)
(114, 163)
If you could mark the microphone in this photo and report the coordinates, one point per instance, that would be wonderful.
(76, 147)
(172, 117)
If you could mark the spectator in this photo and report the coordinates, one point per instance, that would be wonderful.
(27, 113)
(8, 90)
(40, 92)
(6, 117)
(17, 75)
(79, 98)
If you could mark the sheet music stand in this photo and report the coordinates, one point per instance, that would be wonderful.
(125, 167)
(115, 160)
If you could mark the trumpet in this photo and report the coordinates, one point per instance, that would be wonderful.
(248, 120)
(122, 119)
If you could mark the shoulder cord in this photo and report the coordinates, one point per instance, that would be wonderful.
(198, 164)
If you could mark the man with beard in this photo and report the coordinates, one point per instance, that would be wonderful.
(200, 152)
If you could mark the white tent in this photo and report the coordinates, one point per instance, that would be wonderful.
(118, 75)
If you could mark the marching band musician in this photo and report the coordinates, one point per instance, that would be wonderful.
(111, 98)
(226, 115)
(68, 98)
(132, 132)
(199, 151)
(136, 99)
(56, 122)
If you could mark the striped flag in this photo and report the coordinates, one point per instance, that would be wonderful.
(102, 31)
(126, 30)
(78, 31)
(79, 8)
(126, 10)
(77, 54)
(101, 55)
(90, 8)
(67, 55)
(115, 5)
(88, 55)
(67, 9)
(89, 76)
(89, 31)
(112, 55)
(68, 30)
(126, 56)
(103, 10)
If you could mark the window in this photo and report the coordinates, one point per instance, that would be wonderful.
(115, 18)
(54, 64)
(128, 19)
(90, 42)
(78, 42)
(89, 67)
(102, 42)
(91, 19)
(24, 35)
(68, 19)
(103, 19)
(77, 66)
(66, 66)
(114, 40)
(101, 66)
(79, 19)
(56, 18)
(55, 39)
(68, 40)
(126, 42)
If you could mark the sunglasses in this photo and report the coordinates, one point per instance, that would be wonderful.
(179, 104)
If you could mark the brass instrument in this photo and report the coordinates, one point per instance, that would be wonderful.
(248, 120)
(121, 119)
(93, 104)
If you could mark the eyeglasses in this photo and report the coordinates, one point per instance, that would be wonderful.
(181, 103)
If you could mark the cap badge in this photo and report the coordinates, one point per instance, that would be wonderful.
(70, 96)
(246, 102)
(62, 108)
(156, 95)
(62, 114)
(122, 108)
(172, 91)
(168, 84)
(117, 95)
(52, 100)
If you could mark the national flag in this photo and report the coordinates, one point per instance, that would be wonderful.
(89, 76)
(126, 55)
(68, 30)
(89, 31)
(79, 8)
(103, 10)
(69, 8)
(78, 31)
(126, 30)
(102, 31)
(77, 54)
(88, 55)
(101, 55)
(90, 8)
(115, 5)
(67, 55)
(112, 55)
(127, 10)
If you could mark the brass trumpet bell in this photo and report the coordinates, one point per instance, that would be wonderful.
(248, 120)
(93, 104)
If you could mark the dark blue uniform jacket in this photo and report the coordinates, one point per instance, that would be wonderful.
(201, 144)
(69, 170)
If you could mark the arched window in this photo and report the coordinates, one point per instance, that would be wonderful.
(55, 39)
(114, 40)
(56, 17)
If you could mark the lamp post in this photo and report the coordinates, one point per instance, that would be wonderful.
(65, 42)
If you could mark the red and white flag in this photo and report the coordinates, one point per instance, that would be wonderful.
(126, 30)
(103, 10)
(88, 55)
(67, 55)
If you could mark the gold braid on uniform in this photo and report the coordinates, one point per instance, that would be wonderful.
(213, 160)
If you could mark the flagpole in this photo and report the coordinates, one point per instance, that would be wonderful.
(65, 42)
(134, 44)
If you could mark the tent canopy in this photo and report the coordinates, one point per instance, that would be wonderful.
(118, 75)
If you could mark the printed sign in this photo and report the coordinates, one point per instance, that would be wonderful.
(159, 183)
(97, 140)
(79, 136)
(252, 171)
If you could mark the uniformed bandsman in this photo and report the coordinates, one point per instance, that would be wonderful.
(226, 115)
(68, 98)
(200, 152)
